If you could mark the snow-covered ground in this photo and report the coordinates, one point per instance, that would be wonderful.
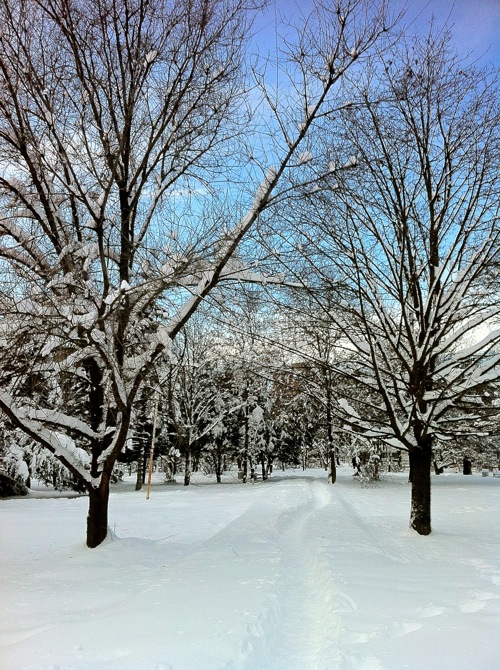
(291, 574)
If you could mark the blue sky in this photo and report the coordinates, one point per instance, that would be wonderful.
(475, 24)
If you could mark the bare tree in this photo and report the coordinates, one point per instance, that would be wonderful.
(411, 231)
(125, 189)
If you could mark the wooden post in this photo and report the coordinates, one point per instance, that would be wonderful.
(152, 450)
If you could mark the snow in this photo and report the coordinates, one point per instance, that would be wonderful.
(304, 157)
(48, 437)
(150, 57)
(352, 162)
(69, 445)
(290, 574)
(111, 297)
(262, 193)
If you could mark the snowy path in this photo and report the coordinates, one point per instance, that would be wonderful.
(304, 621)
(294, 574)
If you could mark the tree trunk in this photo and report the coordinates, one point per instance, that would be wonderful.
(420, 467)
(97, 518)
(333, 467)
(245, 452)
(138, 480)
(329, 425)
(187, 468)
(218, 466)
(144, 468)
(263, 466)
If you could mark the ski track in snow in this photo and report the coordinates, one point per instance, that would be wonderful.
(294, 574)
(306, 623)
(313, 608)
(326, 612)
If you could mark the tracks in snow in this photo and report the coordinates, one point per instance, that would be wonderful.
(309, 624)
(314, 622)
(304, 628)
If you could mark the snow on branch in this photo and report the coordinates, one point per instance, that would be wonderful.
(235, 270)
(449, 367)
(209, 278)
(25, 240)
(58, 444)
(486, 342)
(304, 157)
(57, 418)
(190, 305)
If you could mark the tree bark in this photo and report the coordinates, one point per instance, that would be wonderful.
(139, 473)
(333, 467)
(263, 466)
(187, 467)
(331, 445)
(97, 518)
(245, 444)
(420, 466)
(218, 466)
(269, 466)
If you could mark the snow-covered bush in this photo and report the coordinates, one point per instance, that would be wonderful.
(15, 454)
